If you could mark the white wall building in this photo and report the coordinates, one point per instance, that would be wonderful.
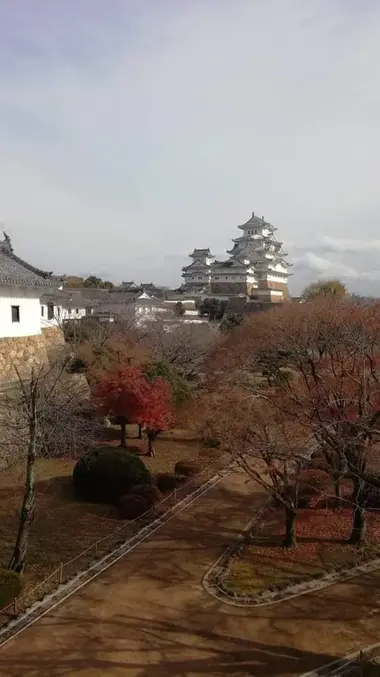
(21, 287)
(58, 306)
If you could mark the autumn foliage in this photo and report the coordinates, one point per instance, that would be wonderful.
(127, 394)
(324, 361)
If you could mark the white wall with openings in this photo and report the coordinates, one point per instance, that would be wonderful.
(19, 311)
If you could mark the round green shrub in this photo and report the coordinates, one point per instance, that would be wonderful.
(186, 468)
(148, 491)
(133, 506)
(10, 586)
(166, 482)
(106, 473)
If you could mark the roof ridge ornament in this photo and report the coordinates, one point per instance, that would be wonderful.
(7, 241)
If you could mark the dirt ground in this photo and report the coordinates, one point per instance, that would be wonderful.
(149, 616)
(64, 526)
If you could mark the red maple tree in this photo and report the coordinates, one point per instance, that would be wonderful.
(157, 414)
(127, 394)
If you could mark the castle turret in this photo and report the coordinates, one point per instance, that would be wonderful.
(197, 275)
(256, 267)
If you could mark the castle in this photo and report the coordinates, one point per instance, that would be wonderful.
(256, 268)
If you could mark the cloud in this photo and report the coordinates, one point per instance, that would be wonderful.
(324, 267)
(130, 135)
(357, 246)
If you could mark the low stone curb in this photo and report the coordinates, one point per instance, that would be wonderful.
(214, 582)
(340, 666)
(97, 566)
(272, 596)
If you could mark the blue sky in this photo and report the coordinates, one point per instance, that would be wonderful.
(133, 131)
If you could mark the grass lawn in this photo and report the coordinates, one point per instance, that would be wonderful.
(64, 527)
(322, 533)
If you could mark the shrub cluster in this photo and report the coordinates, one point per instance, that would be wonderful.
(187, 468)
(106, 473)
(133, 506)
(150, 492)
(10, 586)
(166, 482)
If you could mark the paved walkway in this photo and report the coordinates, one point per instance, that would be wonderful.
(148, 615)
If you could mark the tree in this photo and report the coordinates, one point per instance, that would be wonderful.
(93, 282)
(157, 412)
(184, 348)
(213, 308)
(73, 282)
(122, 393)
(333, 352)
(267, 445)
(323, 288)
(231, 320)
(179, 309)
(43, 417)
(129, 395)
(180, 389)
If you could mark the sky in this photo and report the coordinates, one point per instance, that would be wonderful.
(135, 130)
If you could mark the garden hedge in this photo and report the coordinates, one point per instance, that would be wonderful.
(148, 491)
(106, 473)
(133, 506)
(187, 468)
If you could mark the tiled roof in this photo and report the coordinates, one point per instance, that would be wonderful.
(256, 221)
(201, 252)
(16, 271)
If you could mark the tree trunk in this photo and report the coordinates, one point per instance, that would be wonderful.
(139, 435)
(290, 540)
(123, 433)
(337, 487)
(357, 535)
(17, 562)
(151, 442)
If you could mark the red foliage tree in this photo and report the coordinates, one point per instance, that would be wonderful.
(156, 413)
(122, 393)
(127, 394)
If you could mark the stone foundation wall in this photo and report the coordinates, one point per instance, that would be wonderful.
(26, 352)
(53, 337)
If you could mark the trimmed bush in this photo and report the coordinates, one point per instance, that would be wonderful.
(107, 473)
(10, 586)
(186, 468)
(148, 491)
(166, 482)
(133, 506)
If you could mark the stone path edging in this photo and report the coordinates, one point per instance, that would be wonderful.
(341, 664)
(52, 600)
(213, 581)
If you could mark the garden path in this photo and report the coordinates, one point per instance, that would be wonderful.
(149, 616)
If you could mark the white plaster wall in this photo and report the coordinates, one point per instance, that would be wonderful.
(73, 313)
(277, 278)
(56, 319)
(28, 299)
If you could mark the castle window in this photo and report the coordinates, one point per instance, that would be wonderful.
(217, 277)
(15, 313)
(50, 309)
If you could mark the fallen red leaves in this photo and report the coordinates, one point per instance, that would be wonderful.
(322, 535)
